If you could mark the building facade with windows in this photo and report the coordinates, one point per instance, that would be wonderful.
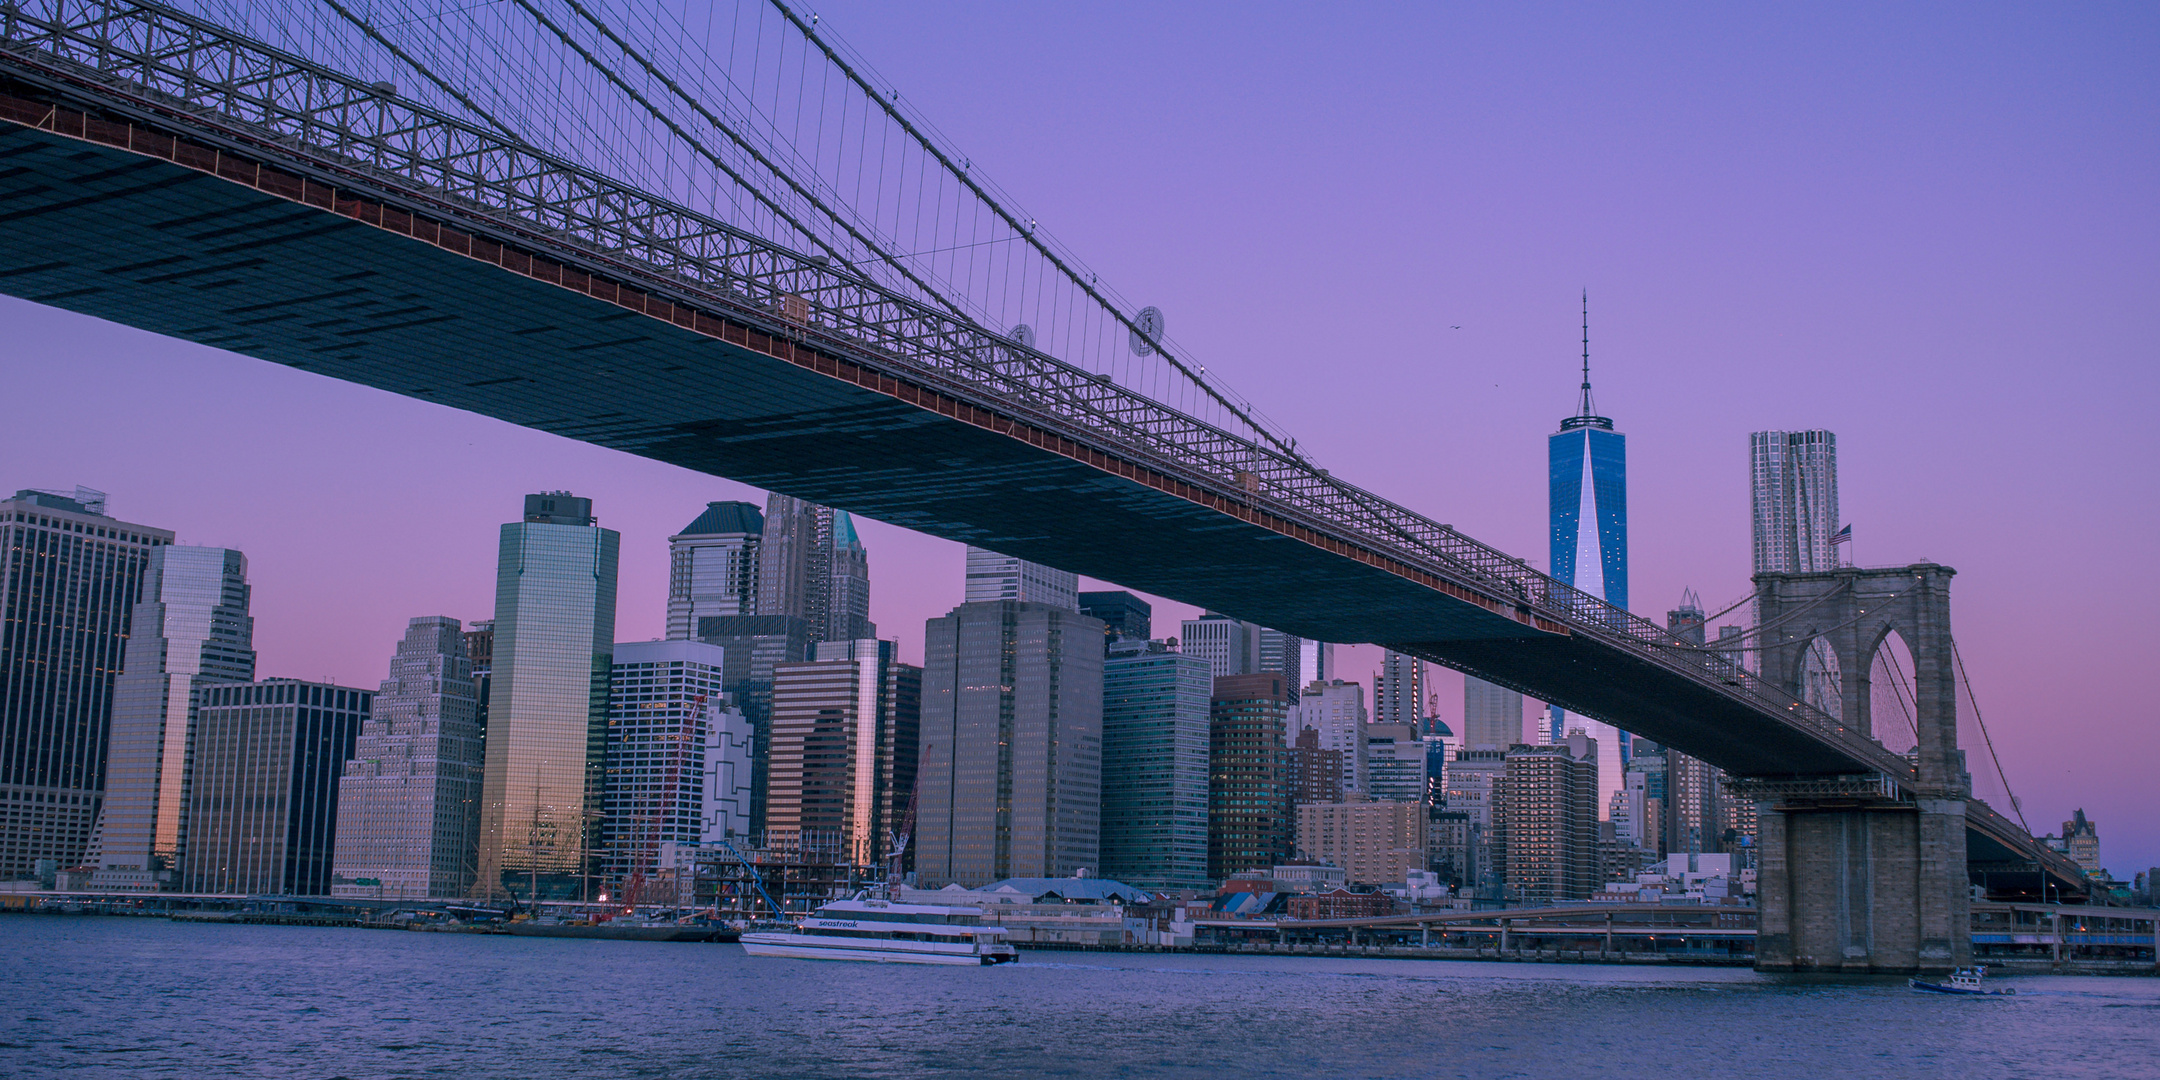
(262, 810)
(1155, 767)
(1545, 821)
(68, 595)
(191, 629)
(1011, 744)
(666, 710)
(548, 700)
(408, 808)
(846, 737)
(1249, 775)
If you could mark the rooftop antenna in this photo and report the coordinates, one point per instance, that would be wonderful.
(1587, 410)
(1586, 415)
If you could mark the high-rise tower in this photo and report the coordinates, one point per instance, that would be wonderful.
(1792, 478)
(995, 576)
(408, 806)
(847, 589)
(713, 567)
(192, 628)
(548, 699)
(67, 601)
(1588, 500)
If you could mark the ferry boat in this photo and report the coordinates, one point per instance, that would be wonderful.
(1965, 980)
(889, 933)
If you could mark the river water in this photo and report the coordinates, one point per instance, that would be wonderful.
(90, 997)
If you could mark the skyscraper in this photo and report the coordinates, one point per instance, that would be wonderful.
(794, 560)
(847, 588)
(1125, 617)
(262, 805)
(1587, 493)
(409, 801)
(1336, 709)
(191, 628)
(1399, 689)
(1155, 767)
(713, 567)
(1011, 744)
(1793, 492)
(1492, 715)
(755, 646)
(666, 713)
(992, 576)
(1792, 479)
(1249, 777)
(548, 705)
(1394, 763)
(846, 731)
(1230, 646)
(67, 604)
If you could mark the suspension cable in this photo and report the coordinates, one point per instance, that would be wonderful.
(2016, 806)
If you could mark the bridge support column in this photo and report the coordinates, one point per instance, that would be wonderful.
(1875, 889)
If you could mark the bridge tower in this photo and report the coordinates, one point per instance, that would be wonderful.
(1864, 873)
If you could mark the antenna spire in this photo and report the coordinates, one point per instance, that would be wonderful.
(1587, 410)
(1586, 413)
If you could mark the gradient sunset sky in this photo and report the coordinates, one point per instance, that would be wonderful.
(1934, 230)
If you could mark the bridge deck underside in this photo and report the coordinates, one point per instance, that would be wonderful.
(150, 244)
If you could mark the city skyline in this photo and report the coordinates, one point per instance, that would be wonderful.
(1668, 347)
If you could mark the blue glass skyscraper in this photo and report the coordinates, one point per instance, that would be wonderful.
(1588, 491)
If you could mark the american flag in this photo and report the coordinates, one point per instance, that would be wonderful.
(1842, 535)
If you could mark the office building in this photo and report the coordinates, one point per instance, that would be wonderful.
(1011, 775)
(1316, 663)
(1374, 842)
(548, 702)
(1492, 715)
(1155, 766)
(1399, 689)
(1230, 646)
(1248, 774)
(1394, 763)
(262, 811)
(667, 712)
(795, 561)
(847, 585)
(992, 577)
(1316, 773)
(846, 732)
(67, 606)
(480, 650)
(1545, 821)
(408, 804)
(1284, 654)
(1336, 709)
(754, 647)
(1792, 482)
(191, 628)
(1473, 781)
(2081, 841)
(713, 567)
(1125, 617)
(1587, 493)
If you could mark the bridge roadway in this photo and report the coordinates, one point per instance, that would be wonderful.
(132, 205)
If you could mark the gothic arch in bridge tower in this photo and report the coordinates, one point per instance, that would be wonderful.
(1853, 611)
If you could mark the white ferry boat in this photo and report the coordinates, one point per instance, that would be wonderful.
(889, 933)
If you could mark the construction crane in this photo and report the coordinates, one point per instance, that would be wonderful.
(906, 831)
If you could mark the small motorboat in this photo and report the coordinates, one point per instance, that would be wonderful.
(1965, 980)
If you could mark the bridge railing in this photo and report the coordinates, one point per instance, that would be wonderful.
(161, 65)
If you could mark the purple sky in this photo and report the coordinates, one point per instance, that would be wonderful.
(1933, 231)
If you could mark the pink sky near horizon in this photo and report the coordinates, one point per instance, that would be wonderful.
(1930, 230)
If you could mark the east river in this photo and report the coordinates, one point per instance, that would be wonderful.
(90, 997)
